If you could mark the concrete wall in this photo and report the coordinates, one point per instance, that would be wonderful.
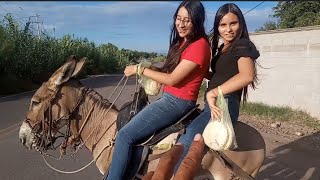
(291, 58)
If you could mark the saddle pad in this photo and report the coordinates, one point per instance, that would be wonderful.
(131, 108)
(181, 124)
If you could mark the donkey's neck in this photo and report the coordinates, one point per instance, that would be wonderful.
(96, 119)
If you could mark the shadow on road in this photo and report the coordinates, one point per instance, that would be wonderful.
(100, 81)
(94, 82)
(302, 156)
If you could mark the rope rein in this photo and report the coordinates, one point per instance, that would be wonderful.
(110, 140)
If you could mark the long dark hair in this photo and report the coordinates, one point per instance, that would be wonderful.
(197, 14)
(242, 34)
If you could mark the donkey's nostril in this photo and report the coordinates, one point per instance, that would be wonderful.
(22, 141)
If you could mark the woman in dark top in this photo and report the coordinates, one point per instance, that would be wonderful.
(233, 69)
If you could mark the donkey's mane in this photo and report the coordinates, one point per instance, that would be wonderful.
(95, 96)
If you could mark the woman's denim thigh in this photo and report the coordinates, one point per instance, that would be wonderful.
(233, 106)
(159, 114)
(195, 127)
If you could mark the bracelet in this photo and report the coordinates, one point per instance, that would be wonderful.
(135, 69)
(142, 70)
(214, 92)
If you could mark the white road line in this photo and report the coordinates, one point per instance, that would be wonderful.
(9, 129)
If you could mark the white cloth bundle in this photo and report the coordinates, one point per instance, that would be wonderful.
(219, 134)
(150, 86)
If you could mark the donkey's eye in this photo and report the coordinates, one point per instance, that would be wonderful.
(34, 103)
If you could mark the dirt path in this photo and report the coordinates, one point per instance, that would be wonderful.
(293, 150)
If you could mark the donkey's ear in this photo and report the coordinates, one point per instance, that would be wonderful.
(79, 67)
(63, 74)
(72, 57)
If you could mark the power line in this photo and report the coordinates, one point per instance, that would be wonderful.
(4, 9)
(26, 17)
(253, 8)
(23, 24)
(16, 13)
(18, 6)
(37, 21)
(12, 14)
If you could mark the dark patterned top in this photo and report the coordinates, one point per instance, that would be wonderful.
(225, 65)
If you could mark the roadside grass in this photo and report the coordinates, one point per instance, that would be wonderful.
(273, 113)
(10, 84)
(279, 113)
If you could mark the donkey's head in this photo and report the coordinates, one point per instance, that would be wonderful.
(50, 104)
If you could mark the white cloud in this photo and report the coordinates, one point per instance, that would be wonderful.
(135, 7)
(135, 25)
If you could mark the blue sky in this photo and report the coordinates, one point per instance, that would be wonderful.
(142, 26)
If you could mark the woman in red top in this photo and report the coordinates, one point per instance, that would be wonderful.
(182, 74)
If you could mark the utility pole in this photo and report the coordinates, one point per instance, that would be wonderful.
(31, 17)
(44, 29)
(54, 32)
(37, 21)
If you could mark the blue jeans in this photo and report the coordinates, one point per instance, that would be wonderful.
(159, 114)
(200, 122)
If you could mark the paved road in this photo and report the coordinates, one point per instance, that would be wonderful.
(19, 163)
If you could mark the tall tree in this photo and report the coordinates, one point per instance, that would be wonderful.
(297, 13)
(269, 25)
(292, 14)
